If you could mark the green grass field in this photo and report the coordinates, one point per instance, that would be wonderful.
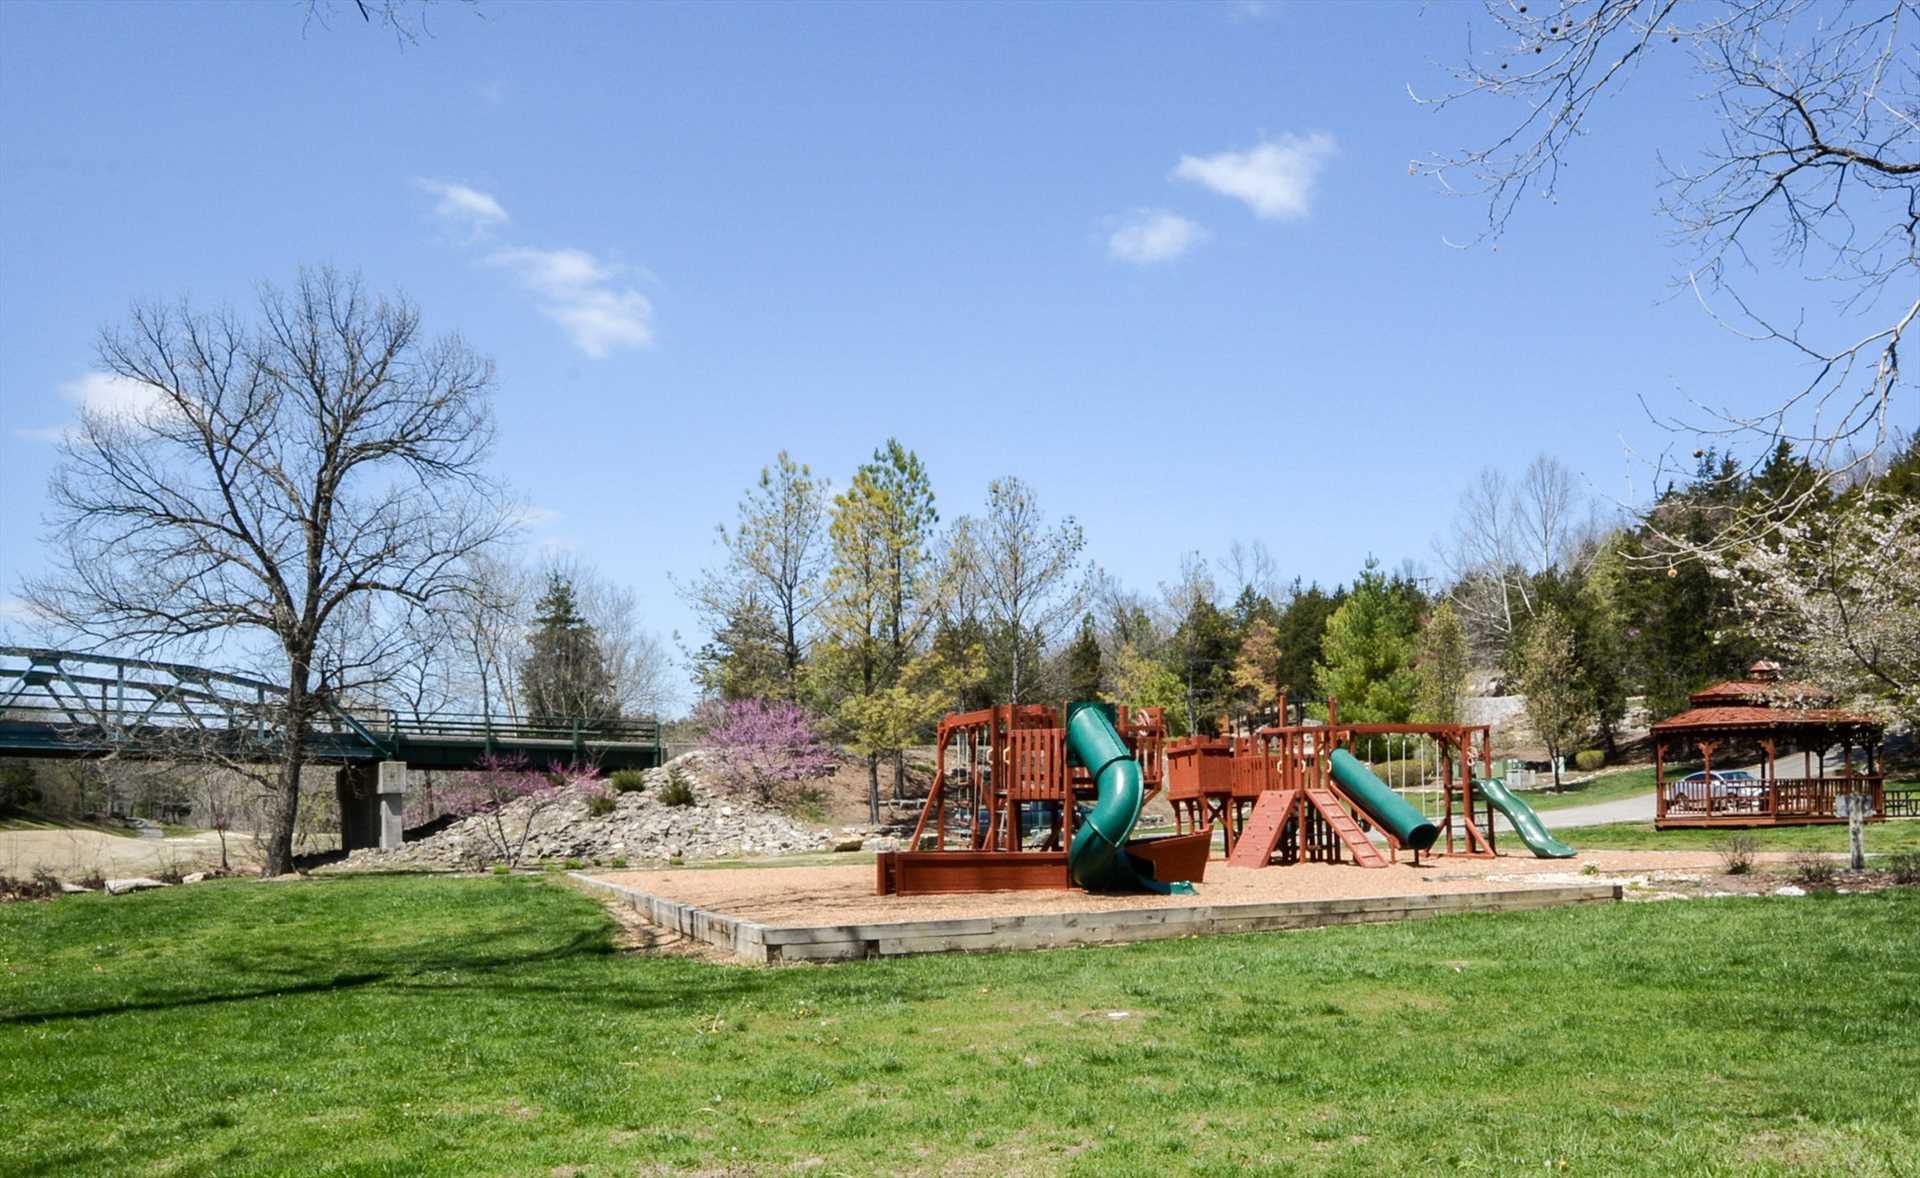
(1882, 837)
(402, 1026)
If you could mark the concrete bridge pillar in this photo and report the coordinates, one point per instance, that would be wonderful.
(372, 804)
(392, 804)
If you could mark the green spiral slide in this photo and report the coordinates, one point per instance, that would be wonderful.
(1525, 822)
(1098, 858)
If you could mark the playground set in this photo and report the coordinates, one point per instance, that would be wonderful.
(1287, 793)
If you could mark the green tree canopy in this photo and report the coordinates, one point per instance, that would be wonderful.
(1368, 650)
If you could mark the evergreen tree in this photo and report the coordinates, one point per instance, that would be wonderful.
(1300, 632)
(1368, 650)
(564, 678)
(1083, 663)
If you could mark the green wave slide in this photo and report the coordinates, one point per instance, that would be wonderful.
(1098, 858)
(1526, 823)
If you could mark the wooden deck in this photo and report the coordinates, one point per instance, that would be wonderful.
(1787, 801)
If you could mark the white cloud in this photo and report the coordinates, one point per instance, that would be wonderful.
(13, 609)
(103, 393)
(582, 294)
(462, 205)
(1154, 235)
(1275, 178)
(531, 516)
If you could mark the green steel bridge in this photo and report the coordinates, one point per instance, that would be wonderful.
(56, 703)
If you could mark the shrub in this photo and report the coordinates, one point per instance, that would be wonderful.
(509, 795)
(627, 781)
(600, 805)
(620, 861)
(501, 869)
(572, 864)
(678, 791)
(1905, 867)
(1812, 870)
(763, 744)
(1588, 760)
(1736, 853)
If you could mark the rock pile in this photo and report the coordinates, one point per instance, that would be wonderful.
(641, 828)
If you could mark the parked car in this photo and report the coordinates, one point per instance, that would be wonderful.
(1730, 783)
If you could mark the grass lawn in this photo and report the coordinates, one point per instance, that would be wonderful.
(1882, 837)
(407, 1025)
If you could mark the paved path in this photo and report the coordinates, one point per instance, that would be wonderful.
(1634, 809)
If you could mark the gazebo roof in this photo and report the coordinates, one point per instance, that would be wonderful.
(1749, 718)
(1761, 693)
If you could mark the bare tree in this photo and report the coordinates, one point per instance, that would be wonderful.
(1026, 572)
(776, 561)
(1506, 533)
(1815, 171)
(287, 488)
(407, 20)
(1252, 566)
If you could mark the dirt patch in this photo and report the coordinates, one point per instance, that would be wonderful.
(83, 854)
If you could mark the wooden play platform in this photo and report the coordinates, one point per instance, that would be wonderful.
(767, 915)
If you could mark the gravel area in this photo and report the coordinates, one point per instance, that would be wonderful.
(799, 896)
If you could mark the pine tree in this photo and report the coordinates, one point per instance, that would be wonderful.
(1367, 652)
(565, 678)
(1083, 663)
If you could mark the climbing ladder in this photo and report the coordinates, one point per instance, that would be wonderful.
(1261, 834)
(1335, 815)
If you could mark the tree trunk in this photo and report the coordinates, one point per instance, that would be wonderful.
(873, 788)
(899, 773)
(284, 812)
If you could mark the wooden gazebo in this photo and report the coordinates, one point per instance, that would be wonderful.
(1773, 719)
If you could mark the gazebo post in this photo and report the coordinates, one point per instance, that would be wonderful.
(1772, 778)
(1659, 779)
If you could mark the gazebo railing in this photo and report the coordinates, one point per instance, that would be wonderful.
(1785, 797)
(1901, 801)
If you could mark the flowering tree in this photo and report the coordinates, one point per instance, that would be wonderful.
(763, 744)
(508, 795)
(1838, 595)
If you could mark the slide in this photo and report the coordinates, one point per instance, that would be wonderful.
(1526, 823)
(1098, 859)
(1388, 810)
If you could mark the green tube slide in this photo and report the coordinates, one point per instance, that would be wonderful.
(1388, 810)
(1098, 858)
(1526, 823)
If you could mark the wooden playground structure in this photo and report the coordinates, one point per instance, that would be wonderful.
(1002, 773)
(1005, 801)
(1274, 797)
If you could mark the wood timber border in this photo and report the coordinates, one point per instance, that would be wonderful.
(761, 944)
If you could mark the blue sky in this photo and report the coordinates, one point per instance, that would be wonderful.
(1165, 263)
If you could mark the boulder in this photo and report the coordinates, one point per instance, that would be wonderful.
(120, 887)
